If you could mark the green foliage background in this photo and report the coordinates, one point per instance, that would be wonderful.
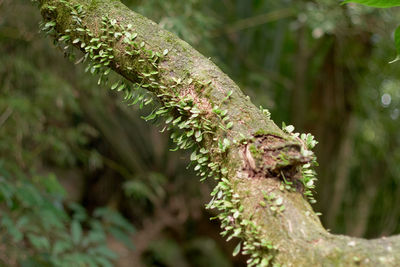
(69, 148)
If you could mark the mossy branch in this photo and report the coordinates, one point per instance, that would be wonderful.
(260, 168)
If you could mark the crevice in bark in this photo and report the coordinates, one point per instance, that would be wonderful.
(271, 156)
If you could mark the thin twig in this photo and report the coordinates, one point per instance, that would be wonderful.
(256, 21)
(7, 113)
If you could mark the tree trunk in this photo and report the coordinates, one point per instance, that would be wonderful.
(250, 156)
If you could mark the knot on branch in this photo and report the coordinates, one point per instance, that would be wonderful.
(270, 156)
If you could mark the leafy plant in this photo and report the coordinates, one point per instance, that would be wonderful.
(37, 229)
(383, 4)
(376, 3)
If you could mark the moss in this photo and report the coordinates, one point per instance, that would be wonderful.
(260, 132)
(255, 152)
(94, 4)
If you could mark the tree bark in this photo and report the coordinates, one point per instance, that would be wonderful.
(296, 234)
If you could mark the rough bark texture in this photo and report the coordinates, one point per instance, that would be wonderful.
(296, 232)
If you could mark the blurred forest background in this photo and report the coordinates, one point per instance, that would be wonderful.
(83, 179)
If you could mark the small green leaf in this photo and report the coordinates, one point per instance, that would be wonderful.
(226, 143)
(177, 120)
(107, 71)
(121, 236)
(76, 232)
(193, 156)
(375, 3)
(115, 85)
(151, 116)
(103, 251)
(121, 87)
(197, 134)
(395, 60)
(103, 262)
(237, 249)
(397, 44)
(224, 171)
(203, 150)
(170, 118)
(50, 24)
(60, 247)
(289, 128)
(39, 242)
